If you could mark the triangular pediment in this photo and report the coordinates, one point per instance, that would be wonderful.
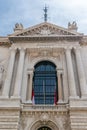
(46, 29)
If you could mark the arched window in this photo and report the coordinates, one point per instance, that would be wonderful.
(45, 83)
(44, 128)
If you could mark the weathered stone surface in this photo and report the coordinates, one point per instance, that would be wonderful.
(43, 42)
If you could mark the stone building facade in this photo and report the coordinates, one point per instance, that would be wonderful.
(20, 55)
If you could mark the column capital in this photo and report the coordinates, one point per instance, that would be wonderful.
(30, 71)
(59, 71)
(13, 49)
(21, 49)
(68, 48)
(77, 48)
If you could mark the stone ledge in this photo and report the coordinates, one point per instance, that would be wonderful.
(9, 103)
(63, 108)
(78, 103)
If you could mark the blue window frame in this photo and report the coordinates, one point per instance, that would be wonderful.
(45, 83)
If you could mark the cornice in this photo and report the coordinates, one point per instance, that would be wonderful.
(47, 26)
(4, 41)
(46, 38)
(5, 44)
(83, 41)
(62, 107)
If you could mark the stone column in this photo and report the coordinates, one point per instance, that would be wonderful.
(30, 74)
(81, 73)
(8, 79)
(18, 82)
(60, 94)
(71, 80)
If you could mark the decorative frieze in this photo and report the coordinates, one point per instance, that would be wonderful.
(53, 55)
(49, 118)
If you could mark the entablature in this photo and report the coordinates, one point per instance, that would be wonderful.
(48, 45)
(4, 41)
(45, 38)
(83, 41)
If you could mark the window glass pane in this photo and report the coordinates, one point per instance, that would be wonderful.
(45, 82)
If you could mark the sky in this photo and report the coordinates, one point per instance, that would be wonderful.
(30, 12)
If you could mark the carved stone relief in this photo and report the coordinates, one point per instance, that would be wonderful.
(44, 29)
(46, 54)
(64, 122)
(44, 118)
(34, 120)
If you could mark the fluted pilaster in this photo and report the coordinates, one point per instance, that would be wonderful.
(18, 82)
(81, 73)
(71, 80)
(8, 79)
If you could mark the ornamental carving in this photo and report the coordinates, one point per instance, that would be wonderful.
(44, 117)
(46, 53)
(44, 29)
(66, 124)
(23, 123)
(18, 26)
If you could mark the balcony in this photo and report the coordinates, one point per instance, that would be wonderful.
(63, 107)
